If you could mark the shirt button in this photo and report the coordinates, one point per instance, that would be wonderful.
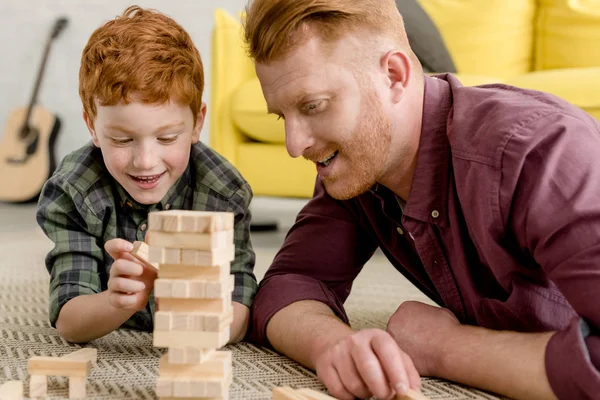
(435, 213)
(400, 231)
(143, 227)
(167, 206)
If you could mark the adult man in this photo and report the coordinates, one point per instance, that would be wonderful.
(485, 198)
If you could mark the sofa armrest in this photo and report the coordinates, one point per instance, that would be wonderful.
(230, 68)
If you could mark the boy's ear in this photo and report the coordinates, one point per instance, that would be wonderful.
(90, 126)
(199, 124)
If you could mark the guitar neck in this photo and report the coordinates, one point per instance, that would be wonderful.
(38, 81)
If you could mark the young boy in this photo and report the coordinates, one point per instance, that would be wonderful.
(141, 83)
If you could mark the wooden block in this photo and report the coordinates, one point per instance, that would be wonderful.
(193, 288)
(163, 288)
(163, 321)
(218, 365)
(77, 387)
(180, 289)
(205, 340)
(191, 272)
(164, 386)
(192, 321)
(412, 395)
(286, 393)
(58, 366)
(38, 385)
(141, 252)
(11, 390)
(311, 394)
(208, 258)
(86, 354)
(201, 258)
(188, 355)
(190, 221)
(220, 305)
(181, 387)
(192, 241)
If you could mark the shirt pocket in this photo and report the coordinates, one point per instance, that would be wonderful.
(528, 308)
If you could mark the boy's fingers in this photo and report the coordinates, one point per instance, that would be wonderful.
(121, 300)
(115, 247)
(124, 285)
(123, 267)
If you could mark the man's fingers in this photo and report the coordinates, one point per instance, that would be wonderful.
(124, 285)
(371, 372)
(347, 370)
(116, 247)
(391, 359)
(330, 378)
(123, 267)
(414, 379)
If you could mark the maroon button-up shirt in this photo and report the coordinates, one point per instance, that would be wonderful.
(502, 226)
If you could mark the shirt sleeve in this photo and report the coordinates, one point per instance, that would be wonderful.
(322, 255)
(73, 262)
(242, 267)
(556, 218)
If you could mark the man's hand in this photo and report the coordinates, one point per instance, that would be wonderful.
(365, 364)
(421, 331)
(130, 282)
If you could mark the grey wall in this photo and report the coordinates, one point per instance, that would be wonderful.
(25, 25)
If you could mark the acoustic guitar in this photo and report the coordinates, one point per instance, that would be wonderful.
(27, 149)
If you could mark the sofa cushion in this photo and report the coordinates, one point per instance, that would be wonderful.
(579, 86)
(491, 37)
(249, 112)
(567, 34)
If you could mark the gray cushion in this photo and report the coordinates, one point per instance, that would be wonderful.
(424, 38)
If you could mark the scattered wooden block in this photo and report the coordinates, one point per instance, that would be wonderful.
(311, 394)
(412, 395)
(205, 340)
(38, 385)
(165, 255)
(286, 393)
(141, 253)
(189, 355)
(75, 365)
(190, 221)
(191, 272)
(11, 390)
(192, 241)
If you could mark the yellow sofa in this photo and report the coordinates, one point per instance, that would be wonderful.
(547, 45)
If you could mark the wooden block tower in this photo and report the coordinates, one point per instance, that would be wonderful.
(193, 251)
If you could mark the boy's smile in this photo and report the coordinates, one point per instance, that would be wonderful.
(146, 147)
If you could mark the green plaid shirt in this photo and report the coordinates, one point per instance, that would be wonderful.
(81, 207)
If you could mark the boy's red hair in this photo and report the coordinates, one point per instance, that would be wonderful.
(142, 55)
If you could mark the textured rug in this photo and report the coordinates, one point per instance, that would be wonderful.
(127, 364)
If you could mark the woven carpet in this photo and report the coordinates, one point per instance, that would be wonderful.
(127, 364)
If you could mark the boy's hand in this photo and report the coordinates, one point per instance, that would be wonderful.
(130, 282)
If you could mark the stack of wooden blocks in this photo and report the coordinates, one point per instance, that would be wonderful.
(193, 251)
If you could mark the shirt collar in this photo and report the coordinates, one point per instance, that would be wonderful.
(428, 199)
(173, 199)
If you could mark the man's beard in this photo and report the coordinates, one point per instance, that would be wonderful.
(364, 154)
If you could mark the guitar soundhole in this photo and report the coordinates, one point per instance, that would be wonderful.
(30, 137)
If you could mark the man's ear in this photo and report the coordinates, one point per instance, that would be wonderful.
(90, 125)
(199, 123)
(397, 66)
